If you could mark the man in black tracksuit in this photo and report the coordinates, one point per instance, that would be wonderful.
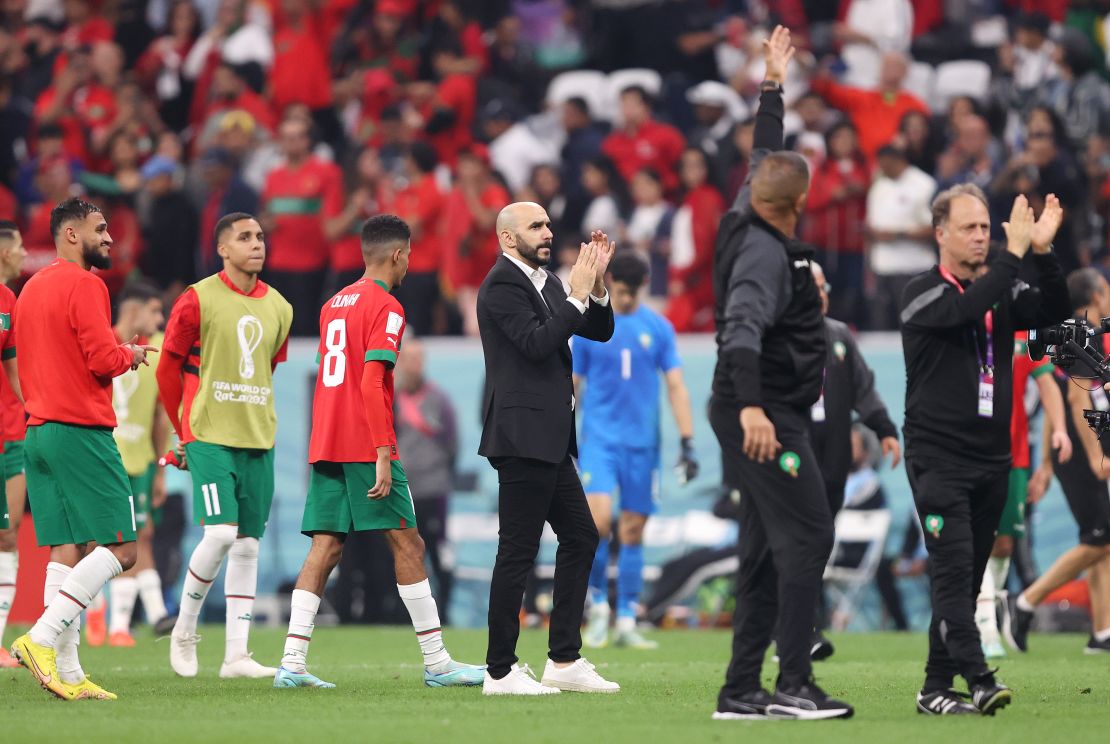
(958, 323)
(849, 386)
(770, 359)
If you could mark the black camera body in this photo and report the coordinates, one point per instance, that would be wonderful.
(1071, 347)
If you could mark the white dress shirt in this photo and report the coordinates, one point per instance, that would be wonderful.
(538, 277)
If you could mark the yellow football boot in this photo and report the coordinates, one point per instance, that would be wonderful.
(86, 689)
(42, 663)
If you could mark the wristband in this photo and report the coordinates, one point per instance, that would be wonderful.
(770, 86)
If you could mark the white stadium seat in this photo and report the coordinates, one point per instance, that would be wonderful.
(589, 85)
(921, 81)
(649, 80)
(965, 77)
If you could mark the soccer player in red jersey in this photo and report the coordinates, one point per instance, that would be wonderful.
(11, 428)
(79, 490)
(1012, 526)
(357, 482)
(225, 336)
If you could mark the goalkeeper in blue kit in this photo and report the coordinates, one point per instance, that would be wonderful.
(620, 441)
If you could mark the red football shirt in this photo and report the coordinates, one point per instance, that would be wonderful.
(362, 323)
(300, 71)
(1024, 369)
(421, 201)
(294, 197)
(69, 350)
(653, 145)
(7, 351)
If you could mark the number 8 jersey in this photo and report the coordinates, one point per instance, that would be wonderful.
(362, 323)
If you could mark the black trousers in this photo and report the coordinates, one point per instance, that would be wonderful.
(786, 535)
(533, 492)
(305, 292)
(960, 508)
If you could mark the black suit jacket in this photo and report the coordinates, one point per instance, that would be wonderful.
(527, 408)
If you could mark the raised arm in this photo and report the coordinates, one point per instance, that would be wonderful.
(768, 134)
(1047, 303)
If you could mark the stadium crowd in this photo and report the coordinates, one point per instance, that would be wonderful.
(632, 116)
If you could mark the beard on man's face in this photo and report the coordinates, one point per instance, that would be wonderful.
(532, 252)
(94, 258)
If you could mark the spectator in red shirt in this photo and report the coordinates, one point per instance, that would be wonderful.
(420, 204)
(79, 104)
(159, 69)
(835, 219)
(693, 240)
(446, 109)
(470, 241)
(82, 27)
(229, 91)
(876, 113)
(345, 211)
(642, 142)
(293, 217)
(375, 36)
(451, 29)
(300, 73)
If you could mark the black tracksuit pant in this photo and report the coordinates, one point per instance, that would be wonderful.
(786, 534)
(960, 507)
(533, 492)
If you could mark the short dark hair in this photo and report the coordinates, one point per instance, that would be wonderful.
(228, 220)
(50, 131)
(578, 102)
(141, 290)
(780, 179)
(424, 155)
(70, 210)
(8, 229)
(381, 231)
(638, 90)
(628, 268)
(1083, 284)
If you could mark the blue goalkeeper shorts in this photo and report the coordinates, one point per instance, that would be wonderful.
(634, 471)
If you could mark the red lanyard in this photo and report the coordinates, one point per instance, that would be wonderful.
(988, 321)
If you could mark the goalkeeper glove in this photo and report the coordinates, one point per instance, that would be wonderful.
(687, 467)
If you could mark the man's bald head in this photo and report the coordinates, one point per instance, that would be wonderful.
(524, 232)
(780, 184)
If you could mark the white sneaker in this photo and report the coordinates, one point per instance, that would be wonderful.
(578, 677)
(183, 654)
(519, 681)
(246, 667)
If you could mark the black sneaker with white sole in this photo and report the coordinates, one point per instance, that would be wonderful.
(1020, 622)
(821, 648)
(945, 703)
(750, 706)
(807, 702)
(990, 696)
(1095, 646)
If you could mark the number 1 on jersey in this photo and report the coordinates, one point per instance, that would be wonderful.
(335, 361)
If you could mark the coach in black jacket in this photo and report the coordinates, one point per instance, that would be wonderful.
(770, 363)
(526, 321)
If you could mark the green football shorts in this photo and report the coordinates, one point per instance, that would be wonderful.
(231, 486)
(13, 458)
(1013, 516)
(337, 500)
(141, 486)
(78, 488)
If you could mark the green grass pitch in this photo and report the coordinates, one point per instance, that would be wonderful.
(668, 696)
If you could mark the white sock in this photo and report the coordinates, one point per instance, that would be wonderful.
(123, 591)
(422, 609)
(239, 587)
(1102, 635)
(98, 602)
(999, 569)
(150, 592)
(302, 619)
(69, 665)
(626, 624)
(986, 619)
(204, 565)
(76, 593)
(1023, 604)
(9, 567)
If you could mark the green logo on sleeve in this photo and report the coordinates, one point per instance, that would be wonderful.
(934, 523)
(789, 463)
